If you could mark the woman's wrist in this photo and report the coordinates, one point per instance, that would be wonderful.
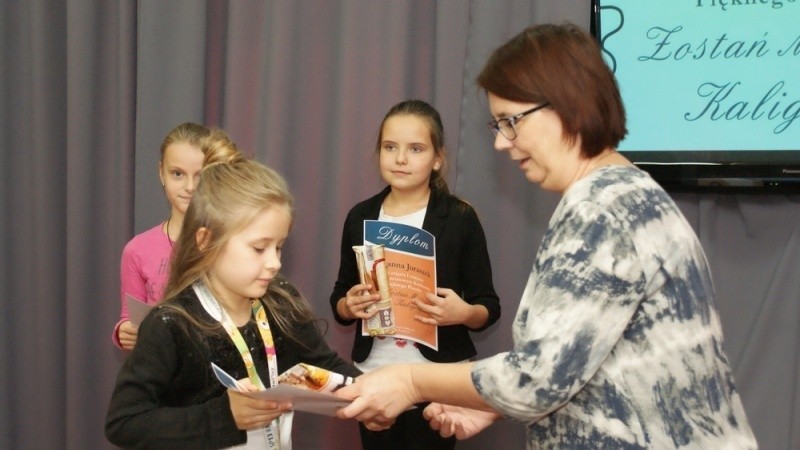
(412, 384)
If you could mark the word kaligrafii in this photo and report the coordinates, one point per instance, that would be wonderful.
(721, 107)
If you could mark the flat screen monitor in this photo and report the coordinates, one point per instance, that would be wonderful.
(711, 90)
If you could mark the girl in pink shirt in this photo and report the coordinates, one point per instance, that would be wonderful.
(144, 269)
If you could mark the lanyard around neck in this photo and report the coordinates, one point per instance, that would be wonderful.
(216, 311)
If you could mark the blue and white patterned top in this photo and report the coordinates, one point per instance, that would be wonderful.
(617, 343)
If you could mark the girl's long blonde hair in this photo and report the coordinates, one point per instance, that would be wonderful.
(231, 192)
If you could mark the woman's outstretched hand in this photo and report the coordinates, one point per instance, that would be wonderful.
(379, 396)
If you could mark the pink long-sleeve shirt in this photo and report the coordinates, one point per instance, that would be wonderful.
(144, 271)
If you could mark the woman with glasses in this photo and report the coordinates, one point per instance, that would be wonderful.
(617, 343)
(411, 159)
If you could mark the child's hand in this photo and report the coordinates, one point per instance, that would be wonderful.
(127, 334)
(246, 386)
(250, 413)
(447, 308)
(463, 423)
(358, 302)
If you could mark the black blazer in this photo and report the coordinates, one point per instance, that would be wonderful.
(462, 264)
(167, 395)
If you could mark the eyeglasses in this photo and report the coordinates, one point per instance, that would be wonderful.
(507, 125)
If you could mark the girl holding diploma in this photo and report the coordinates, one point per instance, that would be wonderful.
(412, 160)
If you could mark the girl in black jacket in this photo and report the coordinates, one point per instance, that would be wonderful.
(225, 304)
(412, 159)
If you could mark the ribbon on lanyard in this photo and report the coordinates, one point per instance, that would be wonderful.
(210, 303)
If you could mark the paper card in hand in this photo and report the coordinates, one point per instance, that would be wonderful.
(313, 397)
(137, 309)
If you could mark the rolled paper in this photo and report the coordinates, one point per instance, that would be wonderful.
(372, 270)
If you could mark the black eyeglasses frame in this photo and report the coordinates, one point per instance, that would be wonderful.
(494, 125)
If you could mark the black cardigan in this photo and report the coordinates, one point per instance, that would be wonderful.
(166, 394)
(462, 264)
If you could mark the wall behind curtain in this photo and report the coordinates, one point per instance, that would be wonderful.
(89, 89)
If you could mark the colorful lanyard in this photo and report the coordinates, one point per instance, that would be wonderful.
(216, 310)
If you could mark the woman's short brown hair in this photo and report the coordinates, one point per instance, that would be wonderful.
(561, 65)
